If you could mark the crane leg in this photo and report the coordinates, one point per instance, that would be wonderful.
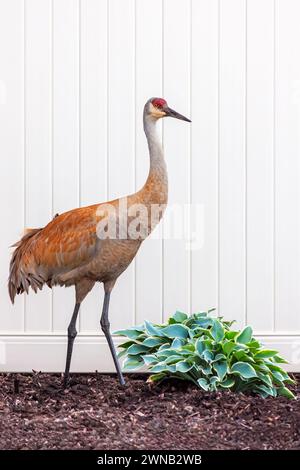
(72, 333)
(104, 322)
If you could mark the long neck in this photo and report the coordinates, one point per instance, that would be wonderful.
(157, 181)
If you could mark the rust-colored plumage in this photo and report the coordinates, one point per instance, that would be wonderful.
(68, 251)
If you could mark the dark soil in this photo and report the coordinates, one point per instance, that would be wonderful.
(96, 413)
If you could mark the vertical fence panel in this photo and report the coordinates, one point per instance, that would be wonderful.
(12, 150)
(65, 131)
(260, 172)
(204, 164)
(121, 135)
(38, 147)
(93, 129)
(148, 84)
(176, 262)
(287, 166)
(232, 160)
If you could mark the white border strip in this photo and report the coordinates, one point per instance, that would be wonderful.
(47, 352)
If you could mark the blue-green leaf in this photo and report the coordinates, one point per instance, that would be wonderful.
(245, 335)
(130, 333)
(130, 364)
(152, 330)
(151, 342)
(177, 343)
(217, 331)
(163, 368)
(179, 316)
(267, 390)
(207, 355)
(200, 346)
(183, 366)
(221, 369)
(149, 359)
(175, 331)
(228, 383)
(203, 384)
(204, 322)
(137, 349)
(265, 378)
(243, 369)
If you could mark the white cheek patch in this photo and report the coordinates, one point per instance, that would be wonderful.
(155, 112)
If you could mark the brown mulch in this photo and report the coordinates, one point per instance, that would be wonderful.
(96, 413)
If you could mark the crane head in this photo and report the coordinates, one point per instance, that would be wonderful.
(158, 108)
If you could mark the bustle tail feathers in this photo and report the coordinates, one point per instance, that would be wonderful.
(19, 278)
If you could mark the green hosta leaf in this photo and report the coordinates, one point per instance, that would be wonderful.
(188, 347)
(131, 364)
(261, 367)
(267, 390)
(179, 316)
(122, 353)
(241, 347)
(253, 344)
(151, 342)
(244, 370)
(279, 360)
(231, 334)
(217, 331)
(172, 359)
(285, 392)
(203, 384)
(156, 377)
(228, 347)
(163, 368)
(149, 359)
(228, 383)
(183, 366)
(265, 378)
(176, 331)
(244, 336)
(277, 376)
(264, 353)
(153, 330)
(126, 344)
(243, 356)
(130, 333)
(137, 349)
(221, 369)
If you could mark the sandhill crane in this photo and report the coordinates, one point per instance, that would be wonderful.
(70, 252)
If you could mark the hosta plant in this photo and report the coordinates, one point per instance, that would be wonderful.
(206, 351)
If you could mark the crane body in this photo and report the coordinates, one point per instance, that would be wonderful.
(71, 251)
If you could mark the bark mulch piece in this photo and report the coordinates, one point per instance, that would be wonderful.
(96, 413)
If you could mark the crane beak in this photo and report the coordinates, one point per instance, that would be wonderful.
(171, 113)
